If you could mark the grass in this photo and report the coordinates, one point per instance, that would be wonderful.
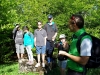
(12, 69)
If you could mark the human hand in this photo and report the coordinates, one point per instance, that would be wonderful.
(17, 26)
(35, 45)
(53, 38)
(62, 52)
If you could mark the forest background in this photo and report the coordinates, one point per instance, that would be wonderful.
(28, 12)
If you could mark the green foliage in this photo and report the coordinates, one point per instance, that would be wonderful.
(28, 12)
(6, 43)
(12, 69)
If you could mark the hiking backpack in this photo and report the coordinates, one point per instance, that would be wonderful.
(94, 59)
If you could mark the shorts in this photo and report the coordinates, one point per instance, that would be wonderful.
(62, 64)
(40, 49)
(19, 48)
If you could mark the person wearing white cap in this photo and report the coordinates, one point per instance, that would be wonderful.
(62, 59)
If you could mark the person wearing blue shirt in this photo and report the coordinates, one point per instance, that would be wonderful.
(29, 44)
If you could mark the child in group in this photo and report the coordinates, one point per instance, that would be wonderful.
(40, 36)
(62, 60)
(29, 44)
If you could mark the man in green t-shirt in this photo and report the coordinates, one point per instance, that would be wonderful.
(76, 60)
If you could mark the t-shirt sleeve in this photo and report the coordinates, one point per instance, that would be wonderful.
(35, 33)
(86, 46)
(45, 33)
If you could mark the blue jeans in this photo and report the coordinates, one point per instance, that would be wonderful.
(62, 64)
(29, 52)
(49, 50)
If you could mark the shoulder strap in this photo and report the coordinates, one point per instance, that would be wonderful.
(31, 35)
(79, 41)
(53, 26)
(14, 35)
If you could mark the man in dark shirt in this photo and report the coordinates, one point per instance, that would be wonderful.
(51, 30)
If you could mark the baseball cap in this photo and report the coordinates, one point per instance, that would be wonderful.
(50, 16)
(62, 36)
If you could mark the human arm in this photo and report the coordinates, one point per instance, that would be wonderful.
(53, 38)
(35, 38)
(85, 52)
(34, 41)
(45, 40)
(56, 29)
(79, 59)
(45, 37)
(15, 29)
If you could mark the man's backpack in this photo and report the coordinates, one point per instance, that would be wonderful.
(94, 59)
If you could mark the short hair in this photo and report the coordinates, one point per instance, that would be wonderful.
(25, 28)
(39, 21)
(78, 20)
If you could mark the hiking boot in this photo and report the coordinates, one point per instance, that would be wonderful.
(50, 66)
(43, 64)
(37, 65)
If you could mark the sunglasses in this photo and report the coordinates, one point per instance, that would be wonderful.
(49, 18)
(73, 20)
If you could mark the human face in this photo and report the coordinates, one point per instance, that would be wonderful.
(71, 26)
(50, 19)
(62, 40)
(39, 25)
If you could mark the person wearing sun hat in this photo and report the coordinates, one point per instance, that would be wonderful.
(62, 59)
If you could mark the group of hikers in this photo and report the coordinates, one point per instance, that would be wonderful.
(43, 39)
